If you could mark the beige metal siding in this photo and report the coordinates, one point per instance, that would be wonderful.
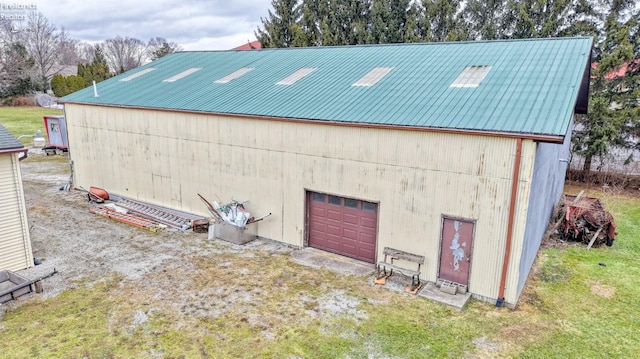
(15, 244)
(415, 176)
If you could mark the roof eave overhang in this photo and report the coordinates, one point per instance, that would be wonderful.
(582, 100)
(12, 150)
(532, 136)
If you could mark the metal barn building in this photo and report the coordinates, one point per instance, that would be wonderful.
(15, 242)
(453, 151)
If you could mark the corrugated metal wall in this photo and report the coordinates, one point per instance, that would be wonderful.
(546, 187)
(416, 177)
(519, 229)
(15, 243)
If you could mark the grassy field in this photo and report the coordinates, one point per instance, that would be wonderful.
(25, 120)
(577, 304)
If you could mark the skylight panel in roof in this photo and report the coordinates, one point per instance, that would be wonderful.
(138, 74)
(234, 75)
(373, 76)
(184, 73)
(294, 77)
(471, 76)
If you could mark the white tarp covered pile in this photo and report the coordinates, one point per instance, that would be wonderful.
(233, 213)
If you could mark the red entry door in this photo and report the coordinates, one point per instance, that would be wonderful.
(455, 252)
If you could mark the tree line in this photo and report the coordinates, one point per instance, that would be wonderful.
(352, 22)
(33, 54)
(614, 104)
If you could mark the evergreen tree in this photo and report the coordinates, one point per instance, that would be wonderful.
(546, 18)
(74, 83)
(310, 22)
(346, 22)
(583, 20)
(281, 27)
(610, 121)
(97, 70)
(387, 21)
(63, 86)
(442, 21)
(59, 85)
(413, 31)
(487, 20)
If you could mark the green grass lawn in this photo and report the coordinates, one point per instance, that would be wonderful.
(25, 120)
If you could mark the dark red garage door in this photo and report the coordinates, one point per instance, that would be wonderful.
(343, 225)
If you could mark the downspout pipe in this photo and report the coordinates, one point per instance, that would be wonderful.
(510, 223)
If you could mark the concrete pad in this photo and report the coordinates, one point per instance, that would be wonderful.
(431, 291)
(316, 258)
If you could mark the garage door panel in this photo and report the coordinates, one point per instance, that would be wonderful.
(367, 237)
(351, 234)
(350, 218)
(343, 226)
(317, 232)
(334, 243)
(334, 230)
(319, 211)
(367, 246)
(334, 215)
(348, 248)
(315, 226)
(363, 252)
(368, 223)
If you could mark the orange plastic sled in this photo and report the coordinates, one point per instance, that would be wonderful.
(99, 192)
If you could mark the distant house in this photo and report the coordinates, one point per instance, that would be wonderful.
(64, 70)
(452, 151)
(15, 242)
(620, 71)
(253, 45)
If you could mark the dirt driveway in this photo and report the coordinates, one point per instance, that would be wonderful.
(83, 246)
(173, 269)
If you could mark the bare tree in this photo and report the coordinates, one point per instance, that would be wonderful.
(124, 53)
(86, 51)
(16, 70)
(16, 65)
(68, 49)
(158, 47)
(42, 41)
(10, 33)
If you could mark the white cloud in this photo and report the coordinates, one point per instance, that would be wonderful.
(195, 25)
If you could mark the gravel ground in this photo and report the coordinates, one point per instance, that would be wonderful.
(85, 249)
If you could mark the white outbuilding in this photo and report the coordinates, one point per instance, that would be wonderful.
(15, 242)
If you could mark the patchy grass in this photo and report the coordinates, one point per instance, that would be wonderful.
(254, 303)
(25, 120)
(595, 301)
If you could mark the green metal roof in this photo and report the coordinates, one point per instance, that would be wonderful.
(532, 86)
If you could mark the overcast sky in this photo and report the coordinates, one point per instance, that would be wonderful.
(195, 25)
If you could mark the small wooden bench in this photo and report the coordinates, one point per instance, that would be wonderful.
(386, 267)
